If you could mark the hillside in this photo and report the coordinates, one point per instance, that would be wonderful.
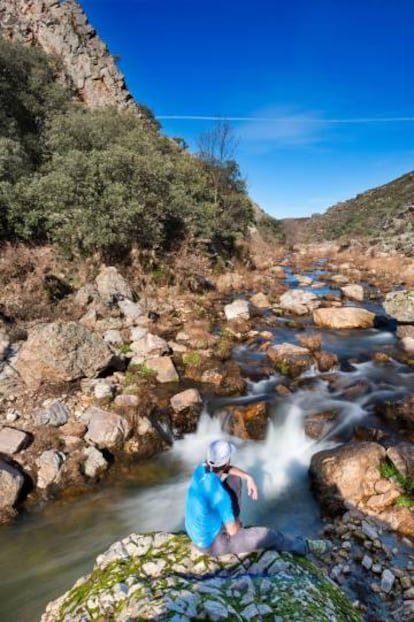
(384, 216)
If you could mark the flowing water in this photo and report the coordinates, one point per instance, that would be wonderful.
(43, 554)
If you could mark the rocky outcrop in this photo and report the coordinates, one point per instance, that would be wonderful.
(61, 351)
(62, 29)
(359, 476)
(162, 577)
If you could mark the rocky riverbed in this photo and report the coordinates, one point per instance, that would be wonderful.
(85, 397)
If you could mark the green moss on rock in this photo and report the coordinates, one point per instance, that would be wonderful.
(162, 577)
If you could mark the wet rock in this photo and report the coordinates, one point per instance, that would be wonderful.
(289, 359)
(163, 368)
(298, 301)
(317, 425)
(61, 351)
(364, 433)
(232, 382)
(105, 428)
(238, 309)
(95, 463)
(12, 440)
(400, 305)
(249, 422)
(353, 292)
(344, 317)
(49, 466)
(342, 477)
(55, 414)
(11, 484)
(400, 412)
(260, 301)
(326, 361)
(311, 342)
(112, 286)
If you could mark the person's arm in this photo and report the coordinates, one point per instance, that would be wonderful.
(251, 484)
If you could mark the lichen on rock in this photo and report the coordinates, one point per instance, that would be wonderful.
(161, 576)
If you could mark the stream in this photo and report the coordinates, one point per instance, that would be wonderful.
(43, 553)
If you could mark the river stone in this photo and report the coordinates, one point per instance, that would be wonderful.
(298, 301)
(163, 368)
(61, 351)
(238, 309)
(343, 317)
(11, 483)
(260, 301)
(172, 581)
(105, 428)
(55, 414)
(400, 305)
(13, 440)
(112, 286)
(49, 465)
(185, 399)
(95, 463)
(354, 292)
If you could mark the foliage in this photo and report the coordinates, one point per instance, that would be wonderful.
(102, 180)
(388, 470)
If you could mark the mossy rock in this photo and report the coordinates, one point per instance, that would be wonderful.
(161, 576)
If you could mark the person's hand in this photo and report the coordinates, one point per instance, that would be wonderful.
(252, 488)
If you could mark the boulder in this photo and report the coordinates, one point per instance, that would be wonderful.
(400, 305)
(163, 368)
(112, 286)
(61, 351)
(11, 484)
(248, 422)
(185, 399)
(49, 465)
(353, 291)
(298, 301)
(343, 317)
(400, 412)
(345, 476)
(105, 428)
(238, 309)
(290, 359)
(13, 440)
(161, 577)
(260, 301)
(54, 414)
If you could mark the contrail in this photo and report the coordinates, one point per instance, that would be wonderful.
(178, 117)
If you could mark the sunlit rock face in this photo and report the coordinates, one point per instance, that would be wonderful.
(160, 576)
(62, 29)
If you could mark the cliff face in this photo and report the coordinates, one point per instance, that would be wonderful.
(62, 28)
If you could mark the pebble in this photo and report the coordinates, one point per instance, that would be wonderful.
(369, 530)
(377, 568)
(387, 581)
(367, 562)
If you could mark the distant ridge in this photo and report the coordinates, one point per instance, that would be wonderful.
(382, 216)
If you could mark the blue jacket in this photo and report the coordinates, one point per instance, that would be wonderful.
(208, 507)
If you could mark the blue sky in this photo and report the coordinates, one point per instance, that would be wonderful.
(308, 66)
